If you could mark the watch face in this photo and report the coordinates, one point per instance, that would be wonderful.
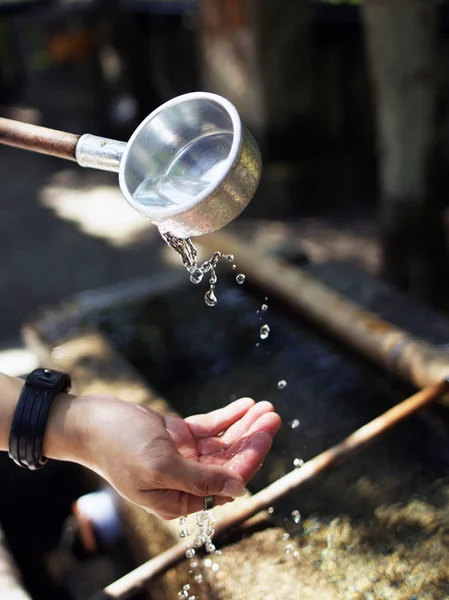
(46, 378)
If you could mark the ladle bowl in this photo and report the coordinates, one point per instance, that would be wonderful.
(191, 167)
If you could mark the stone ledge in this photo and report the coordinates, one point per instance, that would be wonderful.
(256, 567)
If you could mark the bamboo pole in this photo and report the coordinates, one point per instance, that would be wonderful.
(133, 581)
(414, 360)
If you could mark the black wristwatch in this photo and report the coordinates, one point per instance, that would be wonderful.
(31, 415)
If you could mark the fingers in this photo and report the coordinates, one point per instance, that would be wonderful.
(251, 455)
(268, 422)
(172, 503)
(242, 427)
(213, 423)
(233, 458)
(245, 455)
(222, 451)
(201, 479)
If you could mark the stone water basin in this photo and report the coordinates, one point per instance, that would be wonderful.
(376, 527)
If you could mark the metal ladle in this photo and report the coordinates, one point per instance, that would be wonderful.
(190, 167)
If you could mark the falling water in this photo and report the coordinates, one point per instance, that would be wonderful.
(204, 519)
(264, 332)
(205, 531)
(189, 256)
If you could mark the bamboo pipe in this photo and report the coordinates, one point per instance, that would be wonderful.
(414, 360)
(133, 581)
(38, 139)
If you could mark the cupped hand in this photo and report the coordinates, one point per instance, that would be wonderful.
(169, 464)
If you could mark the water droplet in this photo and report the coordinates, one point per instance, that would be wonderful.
(218, 552)
(198, 578)
(264, 332)
(205, 522)
(296, 554)
(186, 587)
(240, 278)
(58, 353)
(199, 541)
(298, 463)
(282, 384)
(208, 562)
(194, 564)
(295, 423)
(182, 526)
(183, 594)
(189, 256)
(288, 548)
(264, 307)
(190, 553)
(270, 510)
(192, 598)
(234, 267)
(210, 299)
(296, 517)
(257, 345)
(215, 567)
(196, 276)
(285, 537)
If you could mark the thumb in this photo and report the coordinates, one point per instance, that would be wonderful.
(204, 480)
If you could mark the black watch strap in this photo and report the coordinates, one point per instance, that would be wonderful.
(31, 415)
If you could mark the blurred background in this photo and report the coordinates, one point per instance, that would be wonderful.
(347, 100)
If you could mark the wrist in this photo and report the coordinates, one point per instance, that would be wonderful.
(66, 431)
(10, 388)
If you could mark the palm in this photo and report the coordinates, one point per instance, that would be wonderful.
(237, 437)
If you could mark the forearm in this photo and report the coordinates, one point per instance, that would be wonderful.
(62, 438)
(10, 389)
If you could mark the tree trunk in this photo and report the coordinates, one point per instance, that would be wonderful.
(401, 38)
(257, 54)
(229, 58)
